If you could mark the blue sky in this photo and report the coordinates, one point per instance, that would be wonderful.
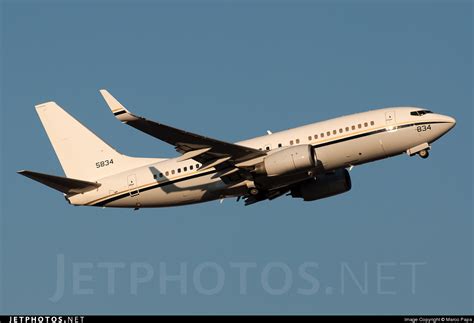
(400, 242)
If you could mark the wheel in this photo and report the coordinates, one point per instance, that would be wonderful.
(254, 191)
(424, 154)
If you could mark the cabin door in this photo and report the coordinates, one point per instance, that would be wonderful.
(133, 189)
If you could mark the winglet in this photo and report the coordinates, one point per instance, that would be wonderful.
(119, 111)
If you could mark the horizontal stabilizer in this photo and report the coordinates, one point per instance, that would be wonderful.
(66, 185)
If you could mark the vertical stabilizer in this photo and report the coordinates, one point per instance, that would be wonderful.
(81, 153)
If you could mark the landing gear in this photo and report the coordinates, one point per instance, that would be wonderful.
(254, 191)
(424, 153)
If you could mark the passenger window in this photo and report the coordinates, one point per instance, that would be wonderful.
(315, 136)
(341, 131)
(280, 145)
(191, 167)
(359, 126)
(185, 169)
(179, 170)
(310, 138)
(161, 175)
(366, 124)
(297, 141)
(167, 173)
(267, 148)
(372, 123)
(328, 133)
(347, 129)
(172, 171)
(353, 127)
(322, 134)
(197, 166)
(334, 132)
(155, 176)
(291, 142)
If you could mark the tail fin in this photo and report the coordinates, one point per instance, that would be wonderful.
(68, 186)
(81, 153)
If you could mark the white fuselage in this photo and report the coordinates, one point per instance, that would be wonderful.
(339, 143)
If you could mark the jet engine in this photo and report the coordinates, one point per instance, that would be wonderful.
(288, 161)
(323, 186)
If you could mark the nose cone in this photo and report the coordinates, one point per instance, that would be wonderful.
(450, 120)
(441, 125)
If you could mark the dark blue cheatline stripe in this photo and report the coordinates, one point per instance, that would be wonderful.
(126, 194)
(420, 124)
(370, 133)
(374, 132)
(349, 138)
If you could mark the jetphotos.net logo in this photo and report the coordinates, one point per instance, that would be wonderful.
(275, 278)
(46, 319)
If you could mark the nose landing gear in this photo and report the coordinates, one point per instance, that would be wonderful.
(424, 153)
(420, 150)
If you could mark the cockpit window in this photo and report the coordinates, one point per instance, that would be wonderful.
(420, 113)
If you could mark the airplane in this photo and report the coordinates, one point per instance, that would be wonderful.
(310, 162)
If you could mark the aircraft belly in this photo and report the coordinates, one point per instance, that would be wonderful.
(352, 152)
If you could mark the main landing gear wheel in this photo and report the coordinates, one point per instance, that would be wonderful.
(254, 191)
(424, 154)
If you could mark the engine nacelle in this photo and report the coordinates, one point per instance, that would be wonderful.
(287, 161)
(323, 186)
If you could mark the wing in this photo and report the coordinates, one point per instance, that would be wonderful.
(208, 151)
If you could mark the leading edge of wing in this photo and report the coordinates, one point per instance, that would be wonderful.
(184, 141)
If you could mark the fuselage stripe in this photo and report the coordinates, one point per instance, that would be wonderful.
(127, 193)
(385, 129)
